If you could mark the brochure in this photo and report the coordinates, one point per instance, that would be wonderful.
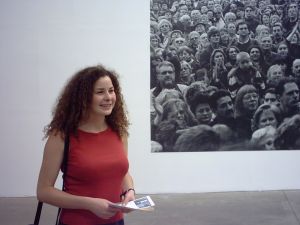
(144, 203)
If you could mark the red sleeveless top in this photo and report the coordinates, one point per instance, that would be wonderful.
(97, 164)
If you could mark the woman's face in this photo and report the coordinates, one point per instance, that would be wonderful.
(267, 118)
(204, 9)
(154, 42)
(254, 54)
(232, 53)
(268, 142)
(230, 19)
(184, 56)
(152, 31)
(177, 113)
(218, 58)
(210, 14)
(231, 28)
(233, 8)
(276, 74)
(283, 50)
(224, 36)
(200, 28)
(265, 19)
(165, 28)
(274, 19)
(250, 101)
(104, 97)
(203, 113)
(294, 39)
(264, 32)
(185, 70)
(175, 35)
(204, 39)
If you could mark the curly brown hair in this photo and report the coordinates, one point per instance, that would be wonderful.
(76, 97)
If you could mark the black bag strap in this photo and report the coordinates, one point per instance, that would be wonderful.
(64, 170)
(38, 213)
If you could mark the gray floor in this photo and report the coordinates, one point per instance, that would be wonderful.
(231, 208)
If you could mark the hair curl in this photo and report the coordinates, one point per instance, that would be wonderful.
(76, 97)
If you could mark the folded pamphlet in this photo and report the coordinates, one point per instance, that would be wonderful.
(145, 204)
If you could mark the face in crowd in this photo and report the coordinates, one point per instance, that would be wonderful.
(270, 98)
(275, 73)
(250, 101)
(166, 76)
(185, 56)
(290, 96)
(266, 43)
(248, 12)
(194, 38)
(200, 28)
(218, 58)
(203, 113)
(179, 42)
(255, 54)
(267, 118)
(225, 107)
(283, 50)
(232, 53)
(244, 61)
(231, 28)
(296, 68)
(277, 31)
(215, 38)
(243, 30)
(165, 28)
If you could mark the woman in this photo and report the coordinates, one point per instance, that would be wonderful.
(232, 52)
(218, 72)
(91, 112)
(286, 60)
(177, 109)
(165, 27)
(154, 41)
(274, 19)
(200, 107)
(186, 75)
(175, 116)
(204, 43)
(263, 139)
(266, 115)
(265, 19)
(246, 103)
(274, 75)
(224, 37)
(230, 17)
(257, 59)
(233, 37)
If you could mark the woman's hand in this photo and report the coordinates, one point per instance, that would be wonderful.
(102, 208)
(127, 197)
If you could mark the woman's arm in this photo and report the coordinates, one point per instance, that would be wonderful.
(46, 192)
(127, 185)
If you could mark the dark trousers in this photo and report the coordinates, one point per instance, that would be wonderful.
(120, 222)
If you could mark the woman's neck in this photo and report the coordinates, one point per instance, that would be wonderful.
(93, 124)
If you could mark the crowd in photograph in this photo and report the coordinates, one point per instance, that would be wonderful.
(225, 75)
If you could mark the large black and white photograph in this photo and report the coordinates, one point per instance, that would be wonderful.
(225, 75)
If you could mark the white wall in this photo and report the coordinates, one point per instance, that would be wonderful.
(44, 42)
